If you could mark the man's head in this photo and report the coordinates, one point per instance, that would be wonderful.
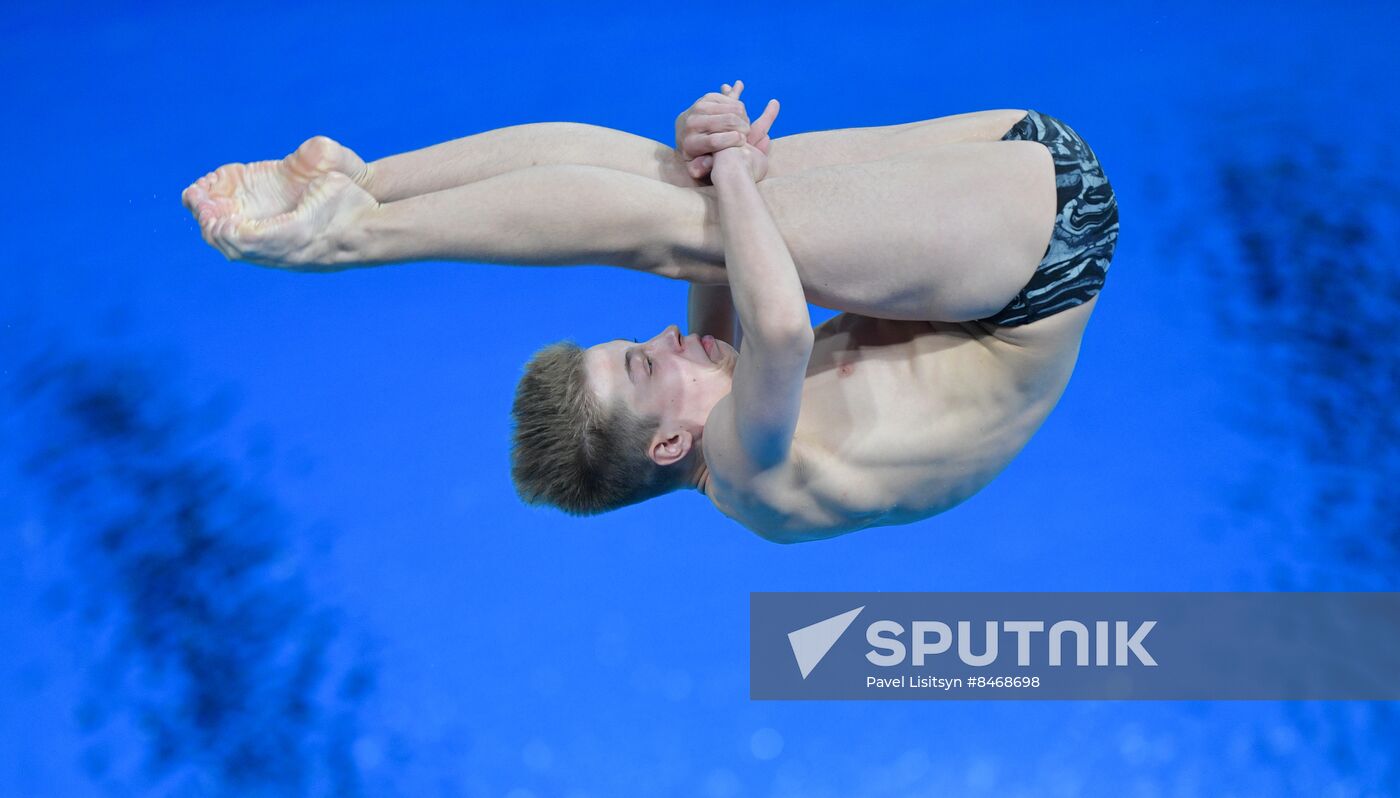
(600, 428)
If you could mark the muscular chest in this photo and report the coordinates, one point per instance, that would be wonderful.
(888, 383)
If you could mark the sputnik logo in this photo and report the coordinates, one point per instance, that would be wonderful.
(810, 643)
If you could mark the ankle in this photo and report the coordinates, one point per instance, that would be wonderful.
(366, 180)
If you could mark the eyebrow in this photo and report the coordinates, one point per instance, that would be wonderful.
(627, 366)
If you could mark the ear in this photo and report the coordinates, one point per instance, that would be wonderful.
(668, 449)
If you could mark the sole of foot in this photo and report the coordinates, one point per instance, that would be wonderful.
(264, 189)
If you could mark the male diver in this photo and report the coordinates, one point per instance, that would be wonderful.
(966, 252)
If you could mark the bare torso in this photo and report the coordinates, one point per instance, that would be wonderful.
(902, 420)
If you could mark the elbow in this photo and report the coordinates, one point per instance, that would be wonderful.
(779, 334)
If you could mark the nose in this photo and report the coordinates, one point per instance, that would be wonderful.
(669, 338)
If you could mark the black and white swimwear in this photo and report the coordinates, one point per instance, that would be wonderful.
(1076, 261)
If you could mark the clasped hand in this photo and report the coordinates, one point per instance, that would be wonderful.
(718, 122)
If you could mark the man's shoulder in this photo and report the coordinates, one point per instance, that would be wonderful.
(735, 481)
(774, 503)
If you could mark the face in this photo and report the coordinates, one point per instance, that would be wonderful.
(675, 378)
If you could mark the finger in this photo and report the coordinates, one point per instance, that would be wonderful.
(765, 120)
(731, 138)
(701, 166)
(738, 88)
(698, 144)
(717, 123)
(724, 105)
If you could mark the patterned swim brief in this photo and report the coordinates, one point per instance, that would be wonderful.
(1086, 226)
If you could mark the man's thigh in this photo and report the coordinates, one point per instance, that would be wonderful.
(948, 233)
(790, 155)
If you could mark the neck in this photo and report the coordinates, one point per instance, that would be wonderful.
(699, 478)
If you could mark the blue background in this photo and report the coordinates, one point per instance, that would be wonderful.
(406, 626)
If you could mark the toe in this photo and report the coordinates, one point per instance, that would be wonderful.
(207, 232)
(215, 208)
(225, 233)
(252, 230)
(224, 181)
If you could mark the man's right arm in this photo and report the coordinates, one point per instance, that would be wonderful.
(711, 312)
(772, 307)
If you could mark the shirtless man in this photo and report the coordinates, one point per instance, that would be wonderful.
(967, 252)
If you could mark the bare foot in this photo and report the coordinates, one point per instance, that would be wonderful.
(265, 189)
(315, 235)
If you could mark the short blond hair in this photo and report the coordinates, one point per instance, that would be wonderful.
(572, 453)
